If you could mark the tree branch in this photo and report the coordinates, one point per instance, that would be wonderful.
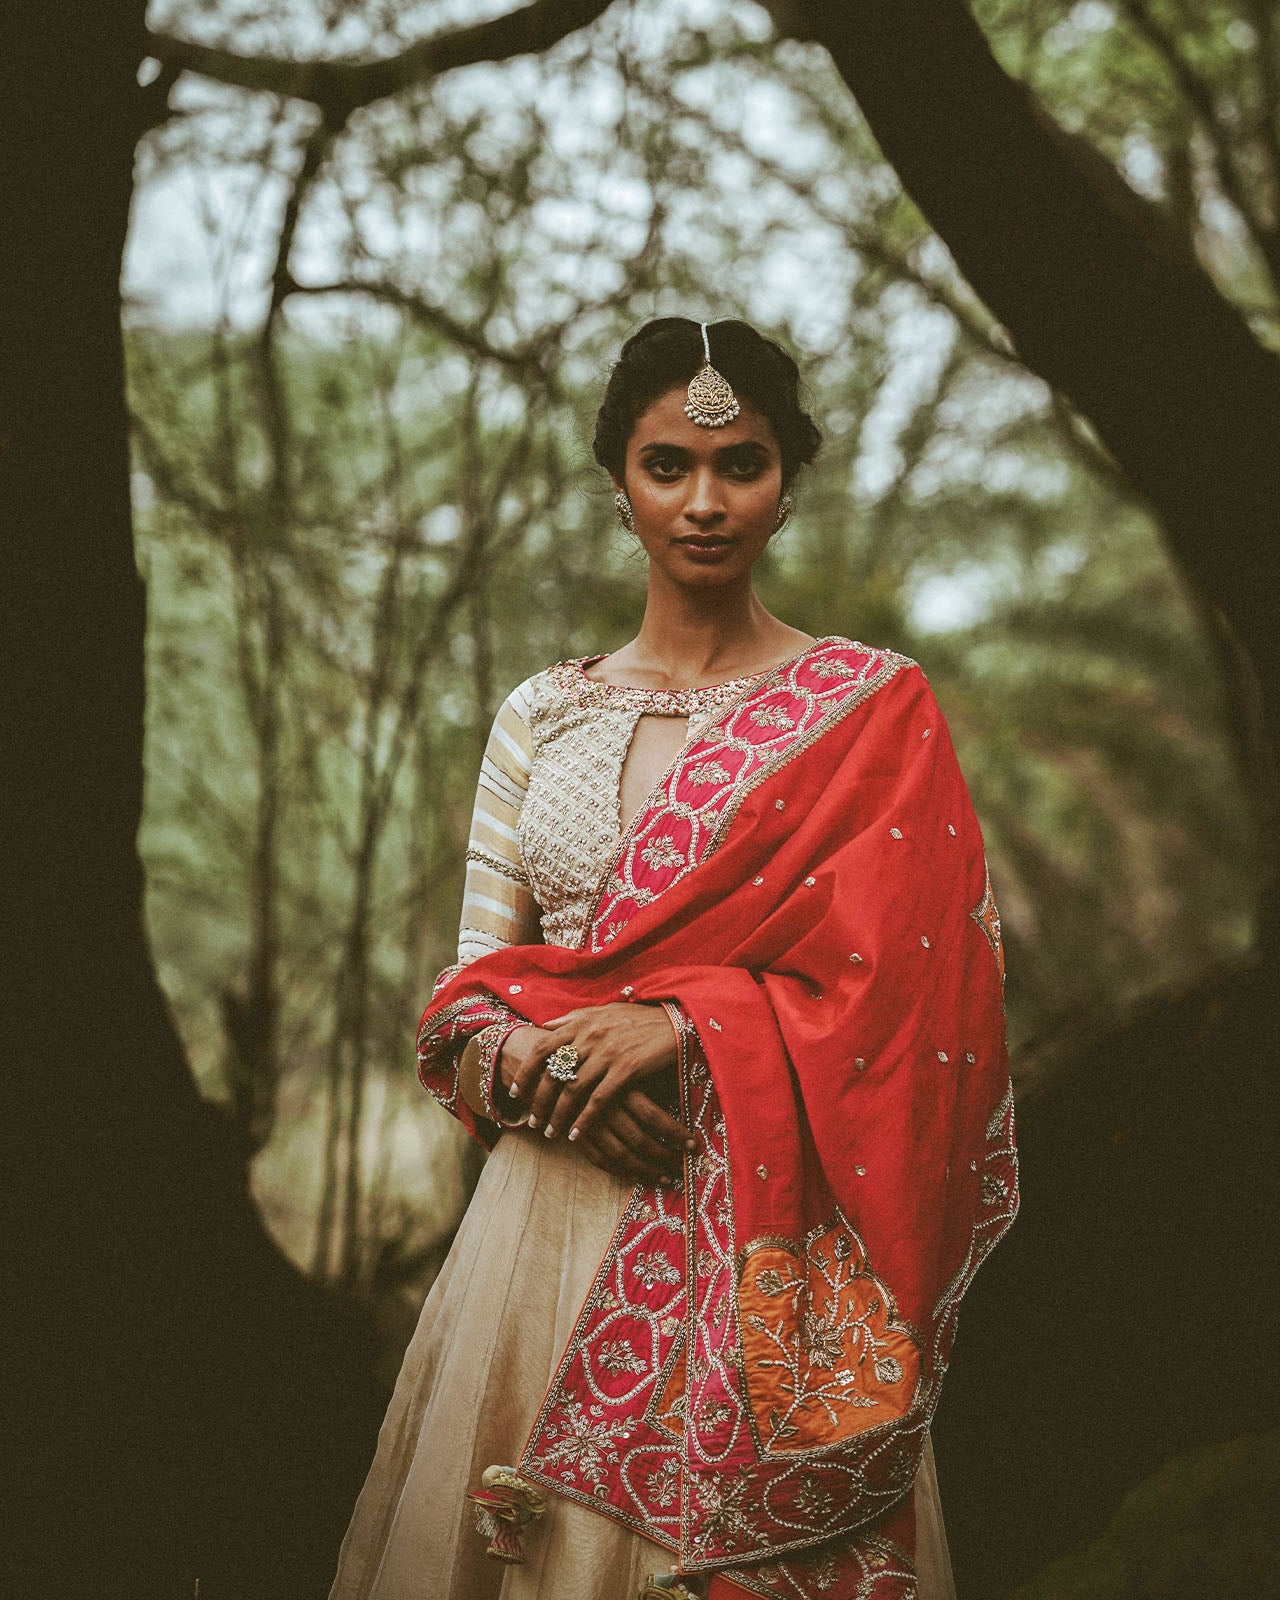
(339, 87)
(1199, 95)
(526, 360)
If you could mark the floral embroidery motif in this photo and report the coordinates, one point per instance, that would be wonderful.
(664, 1484)
(727, 1517)
(655, 1268)
(618, 1356)
(709, 772)
(586, 1441)
(663, 853)
(821, 1340)
(773, 716)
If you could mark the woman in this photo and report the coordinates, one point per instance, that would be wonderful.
(730, 979)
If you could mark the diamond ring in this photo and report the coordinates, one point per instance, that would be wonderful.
(562, 1064)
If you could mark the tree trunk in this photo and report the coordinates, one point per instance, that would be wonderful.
(190, 1406)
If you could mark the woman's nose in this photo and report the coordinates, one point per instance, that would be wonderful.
(705, 503)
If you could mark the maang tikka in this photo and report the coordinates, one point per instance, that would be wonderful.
(711, 402)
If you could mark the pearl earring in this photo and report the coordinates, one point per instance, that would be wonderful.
(785, 507)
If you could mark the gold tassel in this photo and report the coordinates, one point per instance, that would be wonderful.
(505, 1505)
(666, 1586)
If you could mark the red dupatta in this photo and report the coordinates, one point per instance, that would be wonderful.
(753, 1374)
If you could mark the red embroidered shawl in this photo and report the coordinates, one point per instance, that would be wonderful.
(753, 1374)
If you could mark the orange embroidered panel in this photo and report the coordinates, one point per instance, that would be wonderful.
(824, 1357)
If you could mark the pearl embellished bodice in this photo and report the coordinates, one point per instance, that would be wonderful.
(547, 822)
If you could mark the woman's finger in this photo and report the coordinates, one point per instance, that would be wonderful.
(659, 1123)
(526, 1050)
(563, 1115)
(603, 1094)
(560, 1022)
(641, 1145)
(545, 1094)
(611, 1155)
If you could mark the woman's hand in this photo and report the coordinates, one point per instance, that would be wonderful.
(633, 1137)
(617, 1046)
(636, 1139)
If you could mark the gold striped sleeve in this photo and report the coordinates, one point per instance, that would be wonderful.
(498, 907)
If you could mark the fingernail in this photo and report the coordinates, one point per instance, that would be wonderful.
(513, 1089)
(550, 1133)
(691, 1144)
(573, 1133)
(533, 1122)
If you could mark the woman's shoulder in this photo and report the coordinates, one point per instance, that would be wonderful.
(540, 699)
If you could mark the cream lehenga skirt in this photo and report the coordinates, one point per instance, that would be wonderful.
(487, 1344)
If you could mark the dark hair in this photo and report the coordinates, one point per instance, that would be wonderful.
(667, 352)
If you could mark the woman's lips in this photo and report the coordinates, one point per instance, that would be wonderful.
(705, 547)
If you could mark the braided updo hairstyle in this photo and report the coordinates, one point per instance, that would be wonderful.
(666, 353)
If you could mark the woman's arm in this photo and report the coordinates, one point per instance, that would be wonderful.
(498, 906)
(498, 909)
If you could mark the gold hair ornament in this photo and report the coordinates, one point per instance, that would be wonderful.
(625, 515)
(711, 402)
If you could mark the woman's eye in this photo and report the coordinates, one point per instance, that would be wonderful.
(745, 470)
(664, 466)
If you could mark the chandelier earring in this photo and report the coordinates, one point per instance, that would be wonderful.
(785, 507)
(625, 516)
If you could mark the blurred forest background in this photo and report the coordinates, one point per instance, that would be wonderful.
(367, 509)
(366, 328)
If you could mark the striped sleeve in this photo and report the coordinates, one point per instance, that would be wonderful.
(498, 907)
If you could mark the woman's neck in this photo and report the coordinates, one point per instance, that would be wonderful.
(691, 638)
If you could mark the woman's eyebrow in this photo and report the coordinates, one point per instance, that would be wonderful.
(667, 449)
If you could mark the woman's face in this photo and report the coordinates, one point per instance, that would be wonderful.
(705, 500)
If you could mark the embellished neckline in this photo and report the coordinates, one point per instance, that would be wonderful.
(665, 702)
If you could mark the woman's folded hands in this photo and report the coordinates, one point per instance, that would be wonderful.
(622, 1057)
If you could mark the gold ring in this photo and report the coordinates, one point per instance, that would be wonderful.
(562, 1064)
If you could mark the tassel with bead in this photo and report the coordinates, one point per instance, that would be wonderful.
(505, 1506)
